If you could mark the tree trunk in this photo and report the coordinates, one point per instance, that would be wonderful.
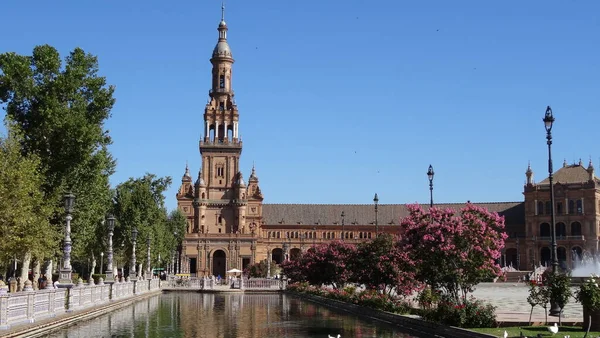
(93, 269)
(530, 314)
(24, 271)
(589, 325)
(560, 317)
(37, 267)
(546, 313)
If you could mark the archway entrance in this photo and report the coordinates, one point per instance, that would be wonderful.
(278, 255)
(511, 258)
(218, 263)
(546, 256)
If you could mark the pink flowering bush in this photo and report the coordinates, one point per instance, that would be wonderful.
(325, 264)
(382, 265)
(453, 252)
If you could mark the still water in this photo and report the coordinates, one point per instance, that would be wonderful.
(227, 316)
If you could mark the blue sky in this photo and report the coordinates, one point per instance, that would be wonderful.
(342, 99)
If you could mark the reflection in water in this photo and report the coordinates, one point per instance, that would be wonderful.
(226, 316)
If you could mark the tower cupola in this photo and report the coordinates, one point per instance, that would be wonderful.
(590, 170)
(253, 178)
(222, 49)
(186, 176)
(529, 174)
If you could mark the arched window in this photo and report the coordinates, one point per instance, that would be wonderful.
(579, 206)
(544, 230)
(559, 208)
(222, 81)
(561, 256)
(576, 229)
(546, 257)
(561, 229)
(571, 207)
(548, 208)
(540, 208)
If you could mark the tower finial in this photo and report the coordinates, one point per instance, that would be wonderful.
(223, 10)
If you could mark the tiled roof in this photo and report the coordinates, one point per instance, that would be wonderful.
(574, 173)
(364, 214)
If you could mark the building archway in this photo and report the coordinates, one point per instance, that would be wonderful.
(277, 255)
(295, 253)
(219, 263)
(561, 256)
(545, 256)
(511, 258)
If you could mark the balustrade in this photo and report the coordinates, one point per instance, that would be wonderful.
(31, 306)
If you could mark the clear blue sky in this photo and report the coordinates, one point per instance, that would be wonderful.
(342, 99)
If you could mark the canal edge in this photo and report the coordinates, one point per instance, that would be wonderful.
(410, 324)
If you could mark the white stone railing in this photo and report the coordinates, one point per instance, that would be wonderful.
(122, 290)
(262, 283)
(154, 284)
(30, 306)
(86, 295)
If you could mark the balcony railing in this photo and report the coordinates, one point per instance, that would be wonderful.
(220, 90)
(559, 238)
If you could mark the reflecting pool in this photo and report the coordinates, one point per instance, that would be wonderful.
(227, 316)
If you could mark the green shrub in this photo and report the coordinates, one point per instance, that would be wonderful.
(97, 276)
(469, 314)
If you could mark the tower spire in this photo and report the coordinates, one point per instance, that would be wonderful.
(223, 11)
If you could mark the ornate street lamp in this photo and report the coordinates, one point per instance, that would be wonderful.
(65, 271)
(343, 234)
(132, 273)
(430, 174)
(110, 223)
(548, 121)
(148, 269)
(376, 201)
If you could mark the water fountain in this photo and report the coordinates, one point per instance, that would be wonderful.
(585, 264)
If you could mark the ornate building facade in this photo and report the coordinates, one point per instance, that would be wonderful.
(229, 227)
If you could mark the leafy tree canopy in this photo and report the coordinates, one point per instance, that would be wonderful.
(61, 109)
(24, 212)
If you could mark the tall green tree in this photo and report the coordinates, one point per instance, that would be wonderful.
(140, 203)
(24, 213)
(61, 109)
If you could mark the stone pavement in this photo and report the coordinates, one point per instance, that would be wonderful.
(511, 304)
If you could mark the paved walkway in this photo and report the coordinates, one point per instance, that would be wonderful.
(511, 302)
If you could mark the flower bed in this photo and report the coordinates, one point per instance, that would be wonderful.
(467, 314)
(366, 298)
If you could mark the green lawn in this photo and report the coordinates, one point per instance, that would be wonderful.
(532, 331)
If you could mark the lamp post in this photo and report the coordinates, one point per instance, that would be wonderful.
(132, 272)
(376, 201)
(65, 271)
(148, 270)
(430, 174)
(101, 261)
(110, 223)
(343, 235)
(548, 121)
(314, 236)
